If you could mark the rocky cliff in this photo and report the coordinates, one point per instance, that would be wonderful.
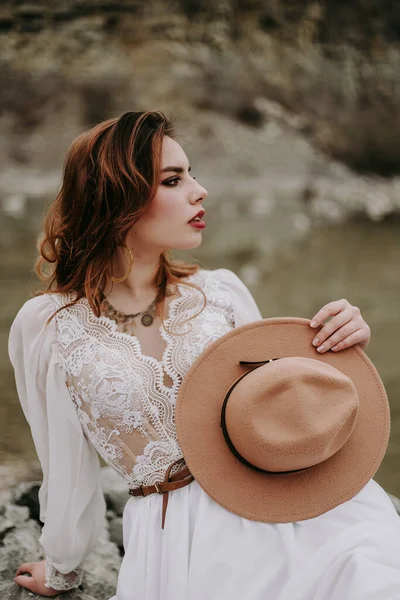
(299, 96)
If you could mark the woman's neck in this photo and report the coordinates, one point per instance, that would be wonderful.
(141, 281)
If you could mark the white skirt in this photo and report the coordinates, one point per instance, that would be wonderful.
(207, 553)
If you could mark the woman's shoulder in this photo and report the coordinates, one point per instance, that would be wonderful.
(35, 307)
(243, 303)
(32, 332)
(35, 314)
(223, 281)
(224, 276)
(221, 274)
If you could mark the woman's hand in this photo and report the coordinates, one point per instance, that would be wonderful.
(36, 582)
(344, 329)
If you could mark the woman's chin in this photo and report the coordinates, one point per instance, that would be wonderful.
(196, 243)
(189, 244)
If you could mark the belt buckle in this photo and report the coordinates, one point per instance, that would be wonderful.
(157, 486)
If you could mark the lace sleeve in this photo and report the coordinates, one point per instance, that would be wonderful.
(61, 581)
(72, 505)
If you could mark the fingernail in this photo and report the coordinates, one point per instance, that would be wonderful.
(316, 341)
(334, 348)
(321, 349)
(313, 323)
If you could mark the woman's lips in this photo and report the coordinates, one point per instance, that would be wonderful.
(199, 215)
(197, 224)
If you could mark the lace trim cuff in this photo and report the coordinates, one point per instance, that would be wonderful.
(61, 581)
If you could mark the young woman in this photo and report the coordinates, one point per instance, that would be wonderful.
(100, 355)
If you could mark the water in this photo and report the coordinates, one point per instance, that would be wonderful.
(359, 261)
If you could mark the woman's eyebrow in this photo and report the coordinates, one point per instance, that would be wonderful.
(175, 169)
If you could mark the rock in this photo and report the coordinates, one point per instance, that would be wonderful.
(29, 498)
(6, 19)
(30, 11)
(19, 542)
(115, 490)
(5, 498)
(101, 569)
(12, 516)
(16, 470)
(115, 525)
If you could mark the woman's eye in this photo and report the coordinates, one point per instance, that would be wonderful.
(172, 182)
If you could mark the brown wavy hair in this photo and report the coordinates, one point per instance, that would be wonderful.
(110, 177)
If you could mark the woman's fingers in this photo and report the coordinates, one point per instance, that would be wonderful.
(332, 333)
(329, 310)
(344, 328)
(26, 581)
(24, 568)
(355, 338)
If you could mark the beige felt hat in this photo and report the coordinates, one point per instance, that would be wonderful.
(276, 432)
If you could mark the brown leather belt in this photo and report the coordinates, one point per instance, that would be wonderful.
(171, 482)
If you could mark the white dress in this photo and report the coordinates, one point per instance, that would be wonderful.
(87, 389)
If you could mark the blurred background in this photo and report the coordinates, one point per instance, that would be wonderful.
(289, 113)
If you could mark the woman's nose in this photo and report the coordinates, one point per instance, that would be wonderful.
(201, 193)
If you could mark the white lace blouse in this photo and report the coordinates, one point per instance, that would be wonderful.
(84, 387)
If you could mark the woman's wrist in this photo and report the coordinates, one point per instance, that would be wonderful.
(62, 581)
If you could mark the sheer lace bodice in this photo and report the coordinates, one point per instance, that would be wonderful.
(120, 395)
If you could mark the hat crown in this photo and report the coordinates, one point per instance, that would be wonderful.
(291, 414)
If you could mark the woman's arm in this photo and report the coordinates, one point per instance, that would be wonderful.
(72, 505)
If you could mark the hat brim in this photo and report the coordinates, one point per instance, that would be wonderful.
(277, 498)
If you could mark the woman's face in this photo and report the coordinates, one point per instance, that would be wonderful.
(179, 197)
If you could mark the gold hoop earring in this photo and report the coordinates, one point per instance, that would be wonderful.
(130, 265)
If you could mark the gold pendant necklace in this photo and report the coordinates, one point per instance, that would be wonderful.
(147, 319)
(148, 314)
